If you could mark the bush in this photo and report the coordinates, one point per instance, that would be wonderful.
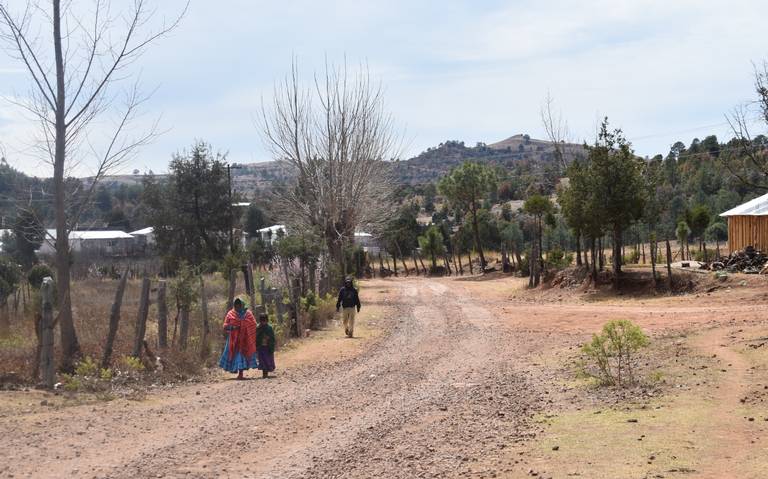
(632, 258)
(39, 272)
(87, 377)
(613, 351)
(559, 259)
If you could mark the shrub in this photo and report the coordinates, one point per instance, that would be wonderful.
(559, 259)
(87, 377)
(613, 351)
(39, 272)
(131, 364)
(632, 258)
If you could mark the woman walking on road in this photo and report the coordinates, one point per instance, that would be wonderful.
(240, 350)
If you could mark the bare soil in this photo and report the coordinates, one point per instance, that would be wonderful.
(447, 378)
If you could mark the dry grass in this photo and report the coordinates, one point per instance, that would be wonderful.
(91, 305)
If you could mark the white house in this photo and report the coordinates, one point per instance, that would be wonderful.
(270, 234)
(367, 242)
(107, 243)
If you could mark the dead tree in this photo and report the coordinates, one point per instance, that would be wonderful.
(114, 320)
(73, 79)
(333, 137)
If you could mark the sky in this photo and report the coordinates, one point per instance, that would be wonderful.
(476, 71)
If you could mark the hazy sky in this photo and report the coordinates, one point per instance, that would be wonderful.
(466, 70)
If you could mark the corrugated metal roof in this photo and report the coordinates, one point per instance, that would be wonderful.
(273, 228)
(142, 232)
(756, 207)
(92, 235)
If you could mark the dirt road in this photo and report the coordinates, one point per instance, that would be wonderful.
(458, 382)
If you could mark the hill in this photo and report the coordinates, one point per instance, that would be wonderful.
(518, 152)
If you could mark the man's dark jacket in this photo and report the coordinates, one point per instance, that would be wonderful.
(348, 298)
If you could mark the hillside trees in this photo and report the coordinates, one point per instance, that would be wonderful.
(465, 187)
(191, 213)
(73, 79)
(337, 139)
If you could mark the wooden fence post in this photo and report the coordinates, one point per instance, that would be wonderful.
(277, 297)
(46, 333)
(250, 286)
(114, 320)
(232, 286)
(204, 347)
(141, 318)
(162, 315)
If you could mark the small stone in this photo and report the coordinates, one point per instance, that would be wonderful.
(555, 448)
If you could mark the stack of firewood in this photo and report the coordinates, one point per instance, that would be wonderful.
(749, 260)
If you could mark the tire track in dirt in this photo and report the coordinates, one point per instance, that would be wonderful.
(727, 426)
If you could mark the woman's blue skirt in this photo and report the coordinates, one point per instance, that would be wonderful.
(238, 361)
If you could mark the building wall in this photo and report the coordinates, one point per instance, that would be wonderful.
(746, 231)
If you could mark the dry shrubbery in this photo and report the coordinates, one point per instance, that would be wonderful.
(91, 304)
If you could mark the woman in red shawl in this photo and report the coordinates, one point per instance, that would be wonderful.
(240, 351)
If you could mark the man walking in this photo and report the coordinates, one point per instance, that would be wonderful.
(350, 301)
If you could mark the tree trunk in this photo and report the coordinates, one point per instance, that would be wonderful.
(423, 268)
(5, 322)
(183, 327)
(70, 347)
(162, 316)
(204, 346)
(578, 248)
(617, 257)
(415, 265)
(653, 246)
(669, 266)
(461, 266)
(141, 318)
(469, 257)
(595, 258)
(114, 320)
(402, 259)
(600, 255)
(478, 245)
(46, 333)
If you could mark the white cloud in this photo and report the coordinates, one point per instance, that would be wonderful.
(473, 71)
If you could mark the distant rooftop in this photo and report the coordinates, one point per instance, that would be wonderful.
(756, 207)
(142, 232)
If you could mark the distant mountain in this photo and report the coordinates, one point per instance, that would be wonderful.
(515, 152)
(519, 152)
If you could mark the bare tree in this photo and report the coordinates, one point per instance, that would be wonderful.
(337, 139)
(556, 129)
(73, 81)
(748, 160)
